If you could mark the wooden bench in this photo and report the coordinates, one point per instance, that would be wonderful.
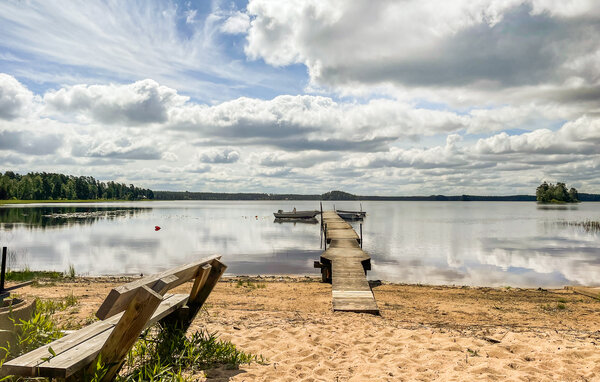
(124, 314)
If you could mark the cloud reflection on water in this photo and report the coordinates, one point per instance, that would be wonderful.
(464, 243)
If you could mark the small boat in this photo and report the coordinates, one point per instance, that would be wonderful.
(296, 220)
(360, 213)
(350, 215)
(295, 214)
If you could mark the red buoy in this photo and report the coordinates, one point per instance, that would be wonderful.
(156, 228)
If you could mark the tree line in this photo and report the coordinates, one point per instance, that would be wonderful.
(51, 186)
(556, 193)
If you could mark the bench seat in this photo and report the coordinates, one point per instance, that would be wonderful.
(79, 348)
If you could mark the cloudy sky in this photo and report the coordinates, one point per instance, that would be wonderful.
(382, 97)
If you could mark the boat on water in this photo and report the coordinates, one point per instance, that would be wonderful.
(350, 215)
(360, 213)
(295, 214)
(296, 220)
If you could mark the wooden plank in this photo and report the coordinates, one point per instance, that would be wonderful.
(118, 298)
(350, 289)
(164, 284)
(337, 225)
(199, 283)
(81, 347)
(128, 329)
(215, 272)
(338, 234)
(344, 243)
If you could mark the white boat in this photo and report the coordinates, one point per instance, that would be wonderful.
(295, 214)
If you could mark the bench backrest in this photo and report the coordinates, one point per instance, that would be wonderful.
(119, 298)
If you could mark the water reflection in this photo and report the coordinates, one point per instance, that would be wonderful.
(50, 216)
(465, 243)
(557, 206)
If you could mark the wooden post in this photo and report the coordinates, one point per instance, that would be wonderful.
(127, 331)
(361, 235)
(207, 279)
(321, 203)
(3, 269)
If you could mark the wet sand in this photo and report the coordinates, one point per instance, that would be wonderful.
(424, 333)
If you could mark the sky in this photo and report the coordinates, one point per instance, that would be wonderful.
(413, 97)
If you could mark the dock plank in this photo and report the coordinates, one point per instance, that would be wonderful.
(350, 289)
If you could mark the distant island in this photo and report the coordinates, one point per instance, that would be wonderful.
(558, 194)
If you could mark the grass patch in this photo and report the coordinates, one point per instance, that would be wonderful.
(249, 284)
(169, 355)
(588, 225)
(71, 272)
(40, 329)
(27, 274)
(553, 308)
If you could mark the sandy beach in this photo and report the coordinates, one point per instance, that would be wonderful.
(424, 333)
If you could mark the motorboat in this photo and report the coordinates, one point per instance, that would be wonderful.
(350, 215)
(295, 214)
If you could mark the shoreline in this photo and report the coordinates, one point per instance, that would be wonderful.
(290, 277)
(424, 332)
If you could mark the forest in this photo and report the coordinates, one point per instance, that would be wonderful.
(51, 186)
(550, 193)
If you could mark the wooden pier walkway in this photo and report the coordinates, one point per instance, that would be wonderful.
(345, 265)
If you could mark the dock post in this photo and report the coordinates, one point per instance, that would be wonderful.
(321, 203)
(361, 235)
(3, 269)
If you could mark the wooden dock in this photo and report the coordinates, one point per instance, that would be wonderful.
(345, 265)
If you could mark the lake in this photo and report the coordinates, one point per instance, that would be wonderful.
(517, 244)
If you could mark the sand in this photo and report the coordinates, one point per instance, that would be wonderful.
(424, 333)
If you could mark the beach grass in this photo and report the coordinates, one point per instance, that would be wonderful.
(27, 274)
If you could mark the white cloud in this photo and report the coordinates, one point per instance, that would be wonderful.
(314, 143)
(104, 146)
(139, 103)
(237, 23)
(15, 98)
(125, 41)
(581, 136)
(226, 155)
(463, 46)
(190, 16)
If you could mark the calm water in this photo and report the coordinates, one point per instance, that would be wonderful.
(463, 243)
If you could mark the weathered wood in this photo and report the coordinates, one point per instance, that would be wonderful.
(338, 225)
(118, 298)
(78, 349)
(345, 264)
(164, 284)
(199, 282)
(215, 272)
(128, 329)
(128, 310)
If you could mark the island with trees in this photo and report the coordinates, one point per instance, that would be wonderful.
(556, 193)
